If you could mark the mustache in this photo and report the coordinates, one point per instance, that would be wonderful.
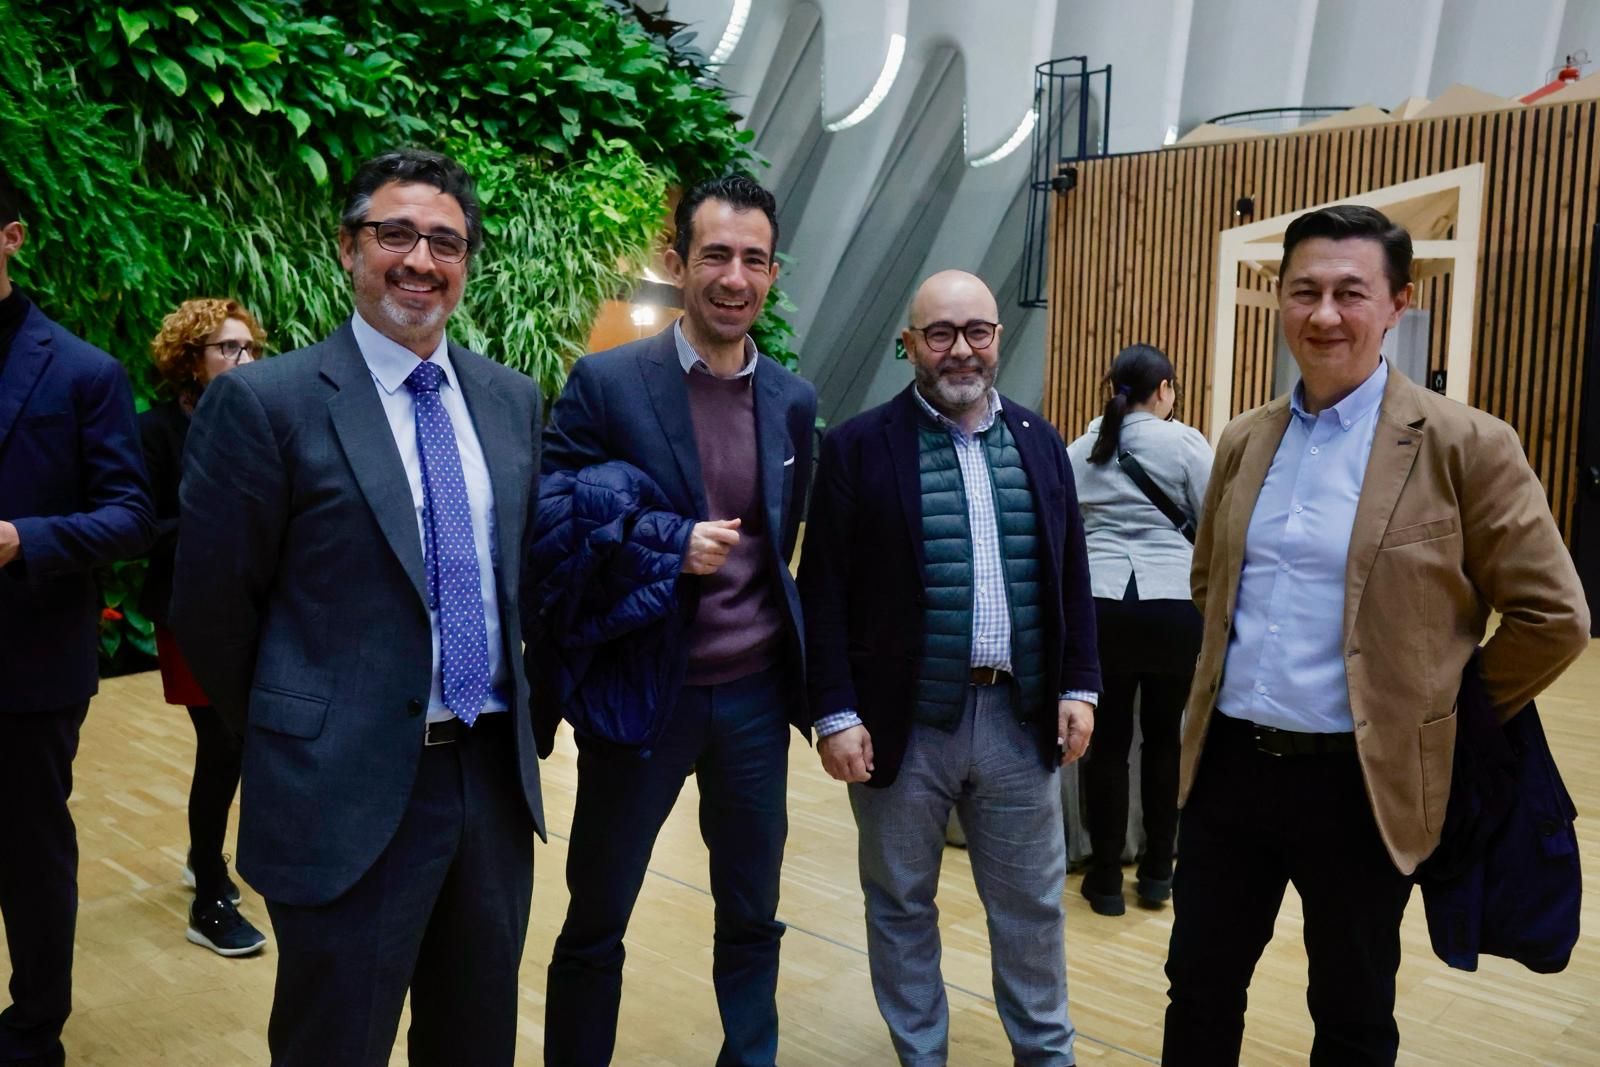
(406, 274)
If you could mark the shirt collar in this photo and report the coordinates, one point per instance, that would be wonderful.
(1352, 409)
(690, 359)
(392, 362)
(955, 427)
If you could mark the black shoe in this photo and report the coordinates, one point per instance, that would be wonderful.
(219, 927)
(1154, 892)
(1102, 903)
(229, 890)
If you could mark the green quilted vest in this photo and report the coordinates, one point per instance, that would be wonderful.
(947, 575)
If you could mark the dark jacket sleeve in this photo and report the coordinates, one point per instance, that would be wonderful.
(235, 499)
(826, 578)
(574, 433)
(1080, 651)
(116, 521)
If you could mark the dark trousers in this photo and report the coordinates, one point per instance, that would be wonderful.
(217, 754)
(38, 879)
(735, 739)
(443, 912)
(1254, 823)
(1147, 649)
(1105, 775)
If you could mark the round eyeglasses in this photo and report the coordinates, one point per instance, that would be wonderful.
(236, 352)
(398, 237)
(941, 336)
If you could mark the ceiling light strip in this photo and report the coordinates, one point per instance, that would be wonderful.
(1024, 128)
(731, 35)
(880, 88)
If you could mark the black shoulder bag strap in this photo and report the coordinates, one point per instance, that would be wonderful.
(1153, 493)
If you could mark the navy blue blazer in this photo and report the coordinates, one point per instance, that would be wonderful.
(299, 599)
(631, 403)
(72, 481)
(1505, 879)
(861, 574)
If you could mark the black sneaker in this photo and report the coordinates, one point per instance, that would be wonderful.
(219, 927)
(229, 890)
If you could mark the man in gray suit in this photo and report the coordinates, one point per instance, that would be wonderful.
(347, 575)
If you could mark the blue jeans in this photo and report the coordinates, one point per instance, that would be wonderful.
(735, 739)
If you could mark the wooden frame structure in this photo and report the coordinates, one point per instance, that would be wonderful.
(1444, 215)
(1137, 256)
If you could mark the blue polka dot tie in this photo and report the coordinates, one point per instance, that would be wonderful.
(454, 589)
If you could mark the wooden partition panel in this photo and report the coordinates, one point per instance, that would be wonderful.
(1134, 259)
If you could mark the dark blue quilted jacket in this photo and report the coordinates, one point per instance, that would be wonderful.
(607, 644)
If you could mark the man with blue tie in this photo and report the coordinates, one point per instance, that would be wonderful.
(73, 496)
(348, 565)
(1355, 537)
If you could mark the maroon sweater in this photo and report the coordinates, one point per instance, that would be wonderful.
(738, 627)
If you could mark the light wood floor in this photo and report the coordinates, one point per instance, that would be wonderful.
(146, 997)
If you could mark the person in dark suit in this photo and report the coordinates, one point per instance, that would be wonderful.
(346, 587)
(73, 496)
(198, 342)
(952, 661)
(725, 434)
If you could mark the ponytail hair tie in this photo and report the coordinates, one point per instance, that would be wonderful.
(1124, 390)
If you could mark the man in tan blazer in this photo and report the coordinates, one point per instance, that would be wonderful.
(1356, 536)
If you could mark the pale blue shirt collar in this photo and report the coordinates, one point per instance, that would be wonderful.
(955, 427)
(392, 362)
(690, 359)
(1353, 408)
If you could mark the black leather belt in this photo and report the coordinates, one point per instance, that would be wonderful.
(989, 676)
(444, 732)
(1275, 742)
(449, 731)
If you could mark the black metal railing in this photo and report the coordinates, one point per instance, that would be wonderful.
(1074, 108)
(1278, 119)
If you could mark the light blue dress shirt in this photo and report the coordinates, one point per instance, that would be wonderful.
(1285, 662)
(390, 363)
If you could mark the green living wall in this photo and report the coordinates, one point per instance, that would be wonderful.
(172, 150)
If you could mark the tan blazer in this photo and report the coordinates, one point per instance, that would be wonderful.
(1452, 523)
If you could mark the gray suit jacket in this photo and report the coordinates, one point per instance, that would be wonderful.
(299, 600)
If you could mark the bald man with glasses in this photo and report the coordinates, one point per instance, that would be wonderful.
(952, 664)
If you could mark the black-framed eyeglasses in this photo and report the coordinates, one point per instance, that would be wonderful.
(236, 352)
(941, 336)
(398, 237)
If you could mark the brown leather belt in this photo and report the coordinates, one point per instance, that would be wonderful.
(989, 676)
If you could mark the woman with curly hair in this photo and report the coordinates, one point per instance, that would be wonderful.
(199, 341)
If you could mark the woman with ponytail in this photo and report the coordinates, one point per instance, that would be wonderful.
(1141, 477)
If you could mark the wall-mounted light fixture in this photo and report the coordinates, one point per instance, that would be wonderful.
(1245, 207)
(643, 315)
(880, 88)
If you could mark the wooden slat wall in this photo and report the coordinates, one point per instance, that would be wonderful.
(1135, 255)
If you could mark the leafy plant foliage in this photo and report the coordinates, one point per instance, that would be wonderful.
(171, 150)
